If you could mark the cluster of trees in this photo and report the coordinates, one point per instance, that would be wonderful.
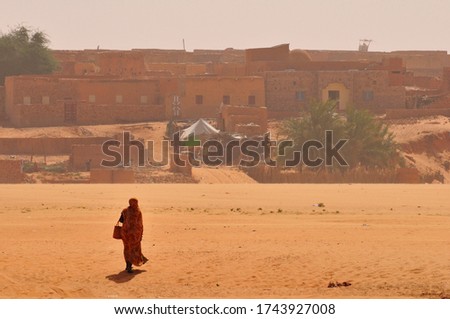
(25, 51)
(369, 142)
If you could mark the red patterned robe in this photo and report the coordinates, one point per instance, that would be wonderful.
(132, 231)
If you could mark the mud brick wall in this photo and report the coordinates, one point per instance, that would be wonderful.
(237, 121)
(385, 96)
(105, 90)
(428, 63)
(432, 83)
(112, 176)
(111, 114)
(53, 115)
(233, 115)
(389, 97)
(265, 174)
(276, 53)
(166, 56)
(260, 67)
(114, 61)
(123, 63)
(38, 115)
(282, 88)
(446, 79)
(185, 170)
(123, 176)
(11, 172)
(405, 113)
(206, 56)
(81, 154)
(172, 68)
(442, 103)
(229, 69)
(2, 102)
(248, 130)
(281, 115)
(36, 88)
(45, 145)
(198, 68)
(101, 176)
(91, 100)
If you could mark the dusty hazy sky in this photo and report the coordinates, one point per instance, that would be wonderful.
(239, 24)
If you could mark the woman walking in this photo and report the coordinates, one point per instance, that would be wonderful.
(132, 231)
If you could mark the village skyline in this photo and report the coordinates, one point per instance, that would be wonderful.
(201, 24)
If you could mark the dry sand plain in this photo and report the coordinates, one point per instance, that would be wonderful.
(228, 241)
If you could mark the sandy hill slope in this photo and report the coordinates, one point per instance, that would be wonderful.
(425, 144)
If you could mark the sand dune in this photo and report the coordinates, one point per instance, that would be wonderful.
(227, 241)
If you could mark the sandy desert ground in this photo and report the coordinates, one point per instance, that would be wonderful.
(228, 241)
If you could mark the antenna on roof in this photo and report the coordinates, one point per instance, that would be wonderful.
(364, 45)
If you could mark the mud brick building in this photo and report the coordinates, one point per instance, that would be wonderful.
(107, 86)
(202, 96)
(53, 101)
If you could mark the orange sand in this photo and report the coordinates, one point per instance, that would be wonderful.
(227, 241)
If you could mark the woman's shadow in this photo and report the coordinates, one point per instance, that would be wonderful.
(124, 276)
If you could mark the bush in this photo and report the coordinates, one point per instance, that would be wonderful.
(55, 168)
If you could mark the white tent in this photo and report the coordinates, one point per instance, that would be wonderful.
(201, 127)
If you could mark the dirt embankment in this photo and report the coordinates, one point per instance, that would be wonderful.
(430, 155)
(432, 144)
(425, 146)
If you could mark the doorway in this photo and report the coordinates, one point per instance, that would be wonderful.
(336, 92)
(70, 112)
(334, 95)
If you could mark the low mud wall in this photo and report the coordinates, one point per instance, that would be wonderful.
(45, 145)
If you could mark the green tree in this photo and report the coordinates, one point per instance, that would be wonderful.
(319, 118)
(312, 126)
(370, 144)
(25, 51)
